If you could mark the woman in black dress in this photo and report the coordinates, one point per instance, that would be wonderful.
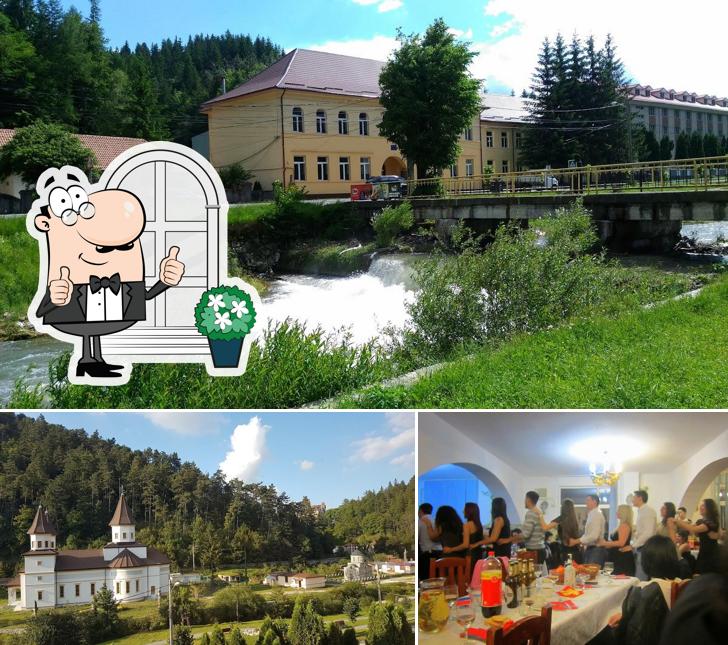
(472, 536)
(707, 529)
(619, 549)
(449, 528)
(499, 535)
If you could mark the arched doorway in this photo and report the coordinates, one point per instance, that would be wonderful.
(394, 166)
(702, 482)
(185, 206)
(457, 483)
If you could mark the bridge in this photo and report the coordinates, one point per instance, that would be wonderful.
(637, 207)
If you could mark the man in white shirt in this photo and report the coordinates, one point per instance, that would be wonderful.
(593, 532)
(645, 528)
(427, 548)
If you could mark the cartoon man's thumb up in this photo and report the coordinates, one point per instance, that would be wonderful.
(171, 269)
(61, 289)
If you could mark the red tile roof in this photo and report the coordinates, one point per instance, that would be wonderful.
(105, 148)
(42, 523)
(10, 582)
(126, 560)
(78, 559)
(302, 576)
(305, 69)
(122, 514)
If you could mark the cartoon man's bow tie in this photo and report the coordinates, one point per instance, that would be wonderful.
(113, 283)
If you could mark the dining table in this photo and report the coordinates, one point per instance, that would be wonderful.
(570, 626)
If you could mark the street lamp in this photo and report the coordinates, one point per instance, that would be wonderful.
(171, 586)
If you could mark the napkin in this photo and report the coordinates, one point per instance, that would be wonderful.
(621, 576)
(559, 605)
(570, 592)
(477, 634)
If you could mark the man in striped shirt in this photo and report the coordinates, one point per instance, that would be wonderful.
(533, 533)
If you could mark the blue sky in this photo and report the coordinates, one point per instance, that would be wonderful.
(653, 38)
(327, 456)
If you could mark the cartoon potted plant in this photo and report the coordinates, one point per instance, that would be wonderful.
(226, 315)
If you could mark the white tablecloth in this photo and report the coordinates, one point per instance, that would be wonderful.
(568, 627)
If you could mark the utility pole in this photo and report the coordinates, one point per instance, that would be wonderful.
(169, 594)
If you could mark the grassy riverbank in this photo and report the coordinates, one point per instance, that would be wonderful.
(672, 355)
(18, 276)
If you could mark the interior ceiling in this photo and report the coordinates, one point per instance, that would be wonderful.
(539, 443)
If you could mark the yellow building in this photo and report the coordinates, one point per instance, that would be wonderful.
(311, 118)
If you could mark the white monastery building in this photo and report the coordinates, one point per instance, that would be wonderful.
(53, 578)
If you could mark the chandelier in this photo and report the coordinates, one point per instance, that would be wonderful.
(607, 474)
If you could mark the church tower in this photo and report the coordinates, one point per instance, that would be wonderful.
(122, 524)
(42, 532)
(38, 580)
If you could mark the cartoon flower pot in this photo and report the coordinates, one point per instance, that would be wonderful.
(226, 315)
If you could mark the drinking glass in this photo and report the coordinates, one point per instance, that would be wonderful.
(608, 570)
(475, 595)
(465, 615)
(581, 581)
(528, 603)
(451, 595)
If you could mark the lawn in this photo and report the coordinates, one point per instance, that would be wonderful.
(18, 275)
(673, 355)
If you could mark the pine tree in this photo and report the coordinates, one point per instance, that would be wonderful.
(682, 146)
(306, 626)
(695, 149)
(666, 146)
(710, 145)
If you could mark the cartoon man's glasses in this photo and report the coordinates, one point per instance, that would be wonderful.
(70, 203)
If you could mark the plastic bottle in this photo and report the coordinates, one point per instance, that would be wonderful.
(491, 581)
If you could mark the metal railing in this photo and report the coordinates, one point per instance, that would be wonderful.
(674, 175)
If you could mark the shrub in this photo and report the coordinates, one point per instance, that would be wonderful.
(306, 626)
(388, 625)
(234, 176)
(392, 221)
(182, 636)
(285, 198)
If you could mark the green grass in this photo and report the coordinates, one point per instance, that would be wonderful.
(673, 355)
(249, 213)
(328, 259)
(18, 275)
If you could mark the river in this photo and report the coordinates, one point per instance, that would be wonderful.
(363, 304)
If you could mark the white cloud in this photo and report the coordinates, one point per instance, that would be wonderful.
(383, 5)
(248, 445)
(662, 45)
(184, 423)
(305, 464)
(378, 47)
(459, 33)
(395, 446)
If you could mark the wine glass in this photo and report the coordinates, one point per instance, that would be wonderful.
(581, 581)
(451, 595)
(528, 602)
(465, 615)
(474, 595)
(608, 569)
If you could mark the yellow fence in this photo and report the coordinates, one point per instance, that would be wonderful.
(675, 175)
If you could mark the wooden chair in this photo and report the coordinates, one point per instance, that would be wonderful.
(676, 590)
(454, 570)
(532, 630)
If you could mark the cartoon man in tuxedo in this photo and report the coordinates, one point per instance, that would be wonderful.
(95, 269)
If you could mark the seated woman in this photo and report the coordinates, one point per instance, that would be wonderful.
(472, 535)
(707, 528)
(499, 535)
(567, 528)
(449, 532)
(701, 613)
(646, 607)
(618, 545)
(686, 558)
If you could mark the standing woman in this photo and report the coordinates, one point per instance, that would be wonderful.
(568, 529)
(707, 529)
(499, 534)
(665, 527)
(472, 535)
(449, 529)
(620, 551)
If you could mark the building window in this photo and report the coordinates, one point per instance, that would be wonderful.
(320, 121)
(344, 174)
(116, 535)
(61, 592)
(322, 166)
(297, 119)
(651, 110)
(39, 578)
(343, 123)
(504, 165)
(118, 587)
(454, 170)
(17, 594)
(365, 166)
(123, 535)
(153, 589)
(78, 590)
(38, 563)
(519, 138)
(469, 168)
(468, 134)
(504, 139)
(126, 586)
(40, 595)
(93, 589)
(46, 544)
(489, 139)
(363, 124)
(137, 586)
(489, 164)
(53, 544)
(299, 168)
